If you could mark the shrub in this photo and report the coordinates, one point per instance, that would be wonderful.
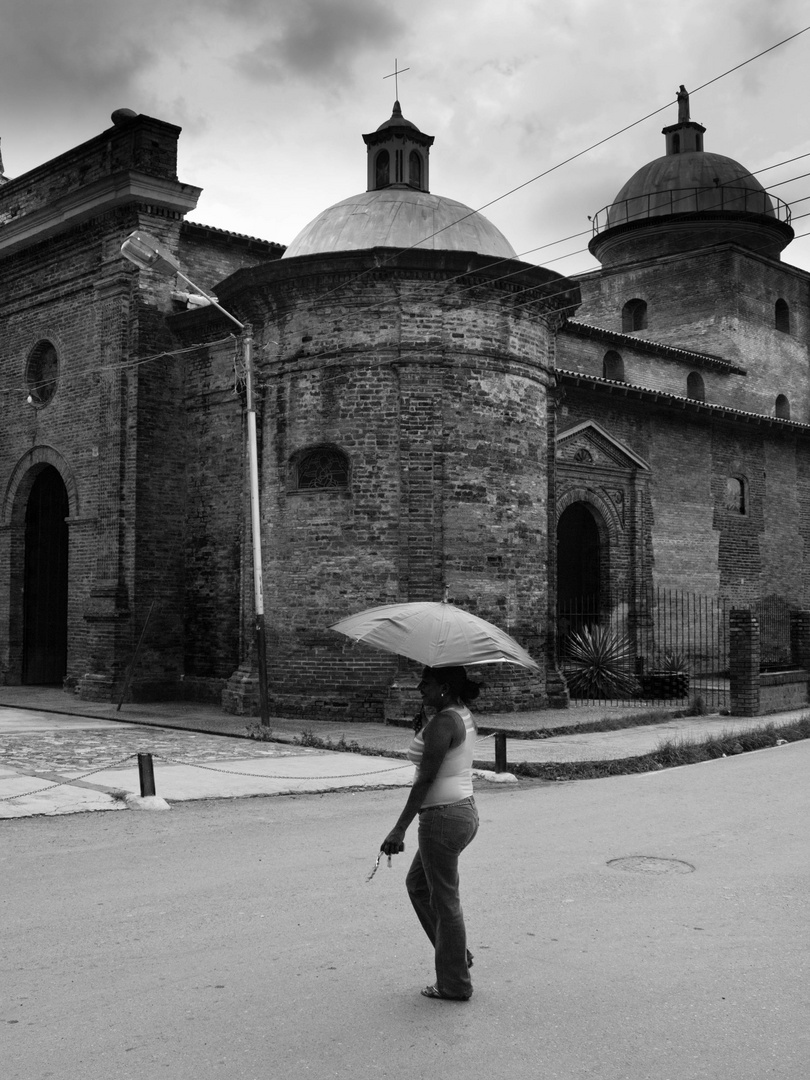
(597, 664)
(674, 663)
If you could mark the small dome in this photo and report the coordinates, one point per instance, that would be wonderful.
(686, 200)
(396, 119)
(689, 182)
(402, 218)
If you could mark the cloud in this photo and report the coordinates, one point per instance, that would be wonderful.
(319, 40)
(51, 54)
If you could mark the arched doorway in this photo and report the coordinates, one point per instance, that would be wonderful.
(45, 584)
(580, 564)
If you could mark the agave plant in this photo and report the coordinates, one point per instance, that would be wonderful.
(674, 663)
(597, 664)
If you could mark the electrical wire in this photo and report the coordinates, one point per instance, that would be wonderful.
(566, 161)
(498, 261)
(546, 296)
(124, 365)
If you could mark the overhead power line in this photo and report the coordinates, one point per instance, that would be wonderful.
(568, 160)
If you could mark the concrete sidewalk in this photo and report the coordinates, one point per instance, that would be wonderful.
(52, 763)
(62, 755)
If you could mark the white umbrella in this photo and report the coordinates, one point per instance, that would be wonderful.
(437, 634)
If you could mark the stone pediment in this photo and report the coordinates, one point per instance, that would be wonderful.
(589, 444)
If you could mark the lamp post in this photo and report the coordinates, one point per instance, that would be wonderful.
(147, 253)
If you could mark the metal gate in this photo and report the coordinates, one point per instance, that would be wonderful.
(657, 646)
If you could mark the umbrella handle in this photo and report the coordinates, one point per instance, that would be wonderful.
(419, 720)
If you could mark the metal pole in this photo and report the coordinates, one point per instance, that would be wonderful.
(255, 520)
(500, 752)
(147, 253)
(146, 774)
(134, 660)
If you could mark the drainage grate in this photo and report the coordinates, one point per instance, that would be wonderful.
(651, 864)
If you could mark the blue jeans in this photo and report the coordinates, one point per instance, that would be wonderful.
(432, 884)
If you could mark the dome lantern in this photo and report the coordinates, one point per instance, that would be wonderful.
(685, 136)
(398, 154)
(397, 210)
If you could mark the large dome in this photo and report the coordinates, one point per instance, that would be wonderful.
(400, 217)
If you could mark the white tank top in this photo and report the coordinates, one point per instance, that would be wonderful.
(454, 779)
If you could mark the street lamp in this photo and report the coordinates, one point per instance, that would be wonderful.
(148, 253)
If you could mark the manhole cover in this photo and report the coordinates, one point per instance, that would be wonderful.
(650, 864)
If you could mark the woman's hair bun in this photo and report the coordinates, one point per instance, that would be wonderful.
(464, 689)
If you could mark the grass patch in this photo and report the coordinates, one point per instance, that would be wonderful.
(309, 738)
(607, 723)
(637, 718)
(257, 730)
(670, 753)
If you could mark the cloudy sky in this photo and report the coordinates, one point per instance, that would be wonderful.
(273, 96)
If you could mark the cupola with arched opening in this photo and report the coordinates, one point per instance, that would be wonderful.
(398, 154)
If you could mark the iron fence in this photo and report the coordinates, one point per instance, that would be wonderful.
(674, 645)
(726, 197)
(665, 646)
(775, 646)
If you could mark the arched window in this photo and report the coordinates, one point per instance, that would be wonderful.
(319, 468)
(782, 407)
(781, 313)
(613, 366)
(42, 373)
(676, 144)
(695, 388)
(415, 170)
(382, 170)
(734, 495)
(634, 316)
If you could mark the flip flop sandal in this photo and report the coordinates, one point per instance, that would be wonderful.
(435, 992)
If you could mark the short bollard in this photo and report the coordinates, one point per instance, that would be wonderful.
(146, 773)
(500, 751)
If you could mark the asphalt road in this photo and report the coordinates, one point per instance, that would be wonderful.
(239, 939)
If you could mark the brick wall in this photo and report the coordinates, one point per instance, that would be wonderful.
(754, 693)
(117, 430)
(145, 144)
(60, 275)
(697, 544)
(437, 395)
(719, 300)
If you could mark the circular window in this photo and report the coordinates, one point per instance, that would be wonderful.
(41, 373)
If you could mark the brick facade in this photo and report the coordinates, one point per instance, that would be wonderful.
(467, 402)
(114, 430)
(694, 540)
(438, 397)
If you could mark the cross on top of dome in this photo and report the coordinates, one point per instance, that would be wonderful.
(395, 76)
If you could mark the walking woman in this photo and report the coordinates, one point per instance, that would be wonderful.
(442, 796)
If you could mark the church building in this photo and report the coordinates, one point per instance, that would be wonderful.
(435, 417)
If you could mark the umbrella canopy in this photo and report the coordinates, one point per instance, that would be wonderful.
(436, 634)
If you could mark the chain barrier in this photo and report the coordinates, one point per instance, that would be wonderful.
(213, 768)
(272, 776)
(61, 783)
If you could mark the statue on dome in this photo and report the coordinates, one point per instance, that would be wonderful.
(683, 105)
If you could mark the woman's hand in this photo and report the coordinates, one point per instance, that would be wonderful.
(439, 736)
(394, 843)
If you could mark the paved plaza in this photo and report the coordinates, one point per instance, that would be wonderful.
(59, 755)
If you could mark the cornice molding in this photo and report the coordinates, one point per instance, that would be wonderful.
(88, 202)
